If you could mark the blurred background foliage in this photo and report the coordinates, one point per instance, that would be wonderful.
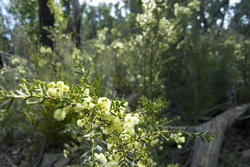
(199, 61)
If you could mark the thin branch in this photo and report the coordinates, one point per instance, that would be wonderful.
(217, 12)
(39, 158)
(243, 118)
(7, 54)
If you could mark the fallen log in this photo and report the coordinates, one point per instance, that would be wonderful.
(206, 154)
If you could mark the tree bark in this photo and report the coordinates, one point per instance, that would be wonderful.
(1, 62)
(76, 22)
(46, 19)
(207, 154)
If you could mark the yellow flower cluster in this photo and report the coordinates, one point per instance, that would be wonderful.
(129, 122)
(45, 50)
(186, 11)
(120, 123)
(104, 103)
(82, 122)
(104, 161)
(178, 138)
(86, 104)
(154, 142)
(181, 10)
(57, 89)
(114, 121)
(101, 157)
(59, 114)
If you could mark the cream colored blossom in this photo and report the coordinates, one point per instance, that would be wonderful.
(117, 124)
(86, 92)
(140, 164)
(79, 107)
(137, 145)
(101, 157)
(154, 142)
(52, 92)
(15, 61)
(112, 164)
(82, 122)
(129, 122)
(107, 130)
(117, 45)
(57, 89)
(88, 104)
(178, 138)
(59, 84)
(51, 85)
(59, 114)
(161, 148)
(65, 88)
(104, 103)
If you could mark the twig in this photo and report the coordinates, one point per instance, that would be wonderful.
(39, 158)
(3, 103)
(243, 118)
(188, 162)
(6, 54)
(9, 161)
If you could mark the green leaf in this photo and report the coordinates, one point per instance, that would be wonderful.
(99, 148)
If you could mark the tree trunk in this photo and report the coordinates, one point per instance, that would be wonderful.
(76, 22)
(207, 154)
(1, 62)
(46, 19)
